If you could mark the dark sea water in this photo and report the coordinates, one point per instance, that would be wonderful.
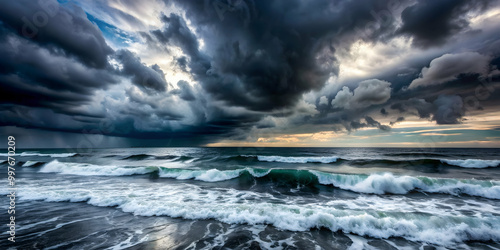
(255, 198)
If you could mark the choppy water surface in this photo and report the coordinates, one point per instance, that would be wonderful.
(268, 198)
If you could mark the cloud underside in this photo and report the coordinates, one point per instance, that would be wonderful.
(202, 71)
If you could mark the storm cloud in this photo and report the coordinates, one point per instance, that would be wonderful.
(263, 57)
(197, 72)
(449, 66)
(368, 93)
(147, 78)
(61, 30)
(432, 23)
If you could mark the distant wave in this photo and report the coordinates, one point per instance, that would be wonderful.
(412, 154)
(138, 157)
(55, 155)
(109, 156)
(293, 159)
(89, 169)
(371, 184)
(466, 163)
(473, 163)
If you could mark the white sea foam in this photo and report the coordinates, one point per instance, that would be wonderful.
(211, 175)
(88, 169)
(403, 204)
(359, 243)
(473, 163)
(298, 159)
(236, 207)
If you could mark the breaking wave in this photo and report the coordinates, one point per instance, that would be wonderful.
(294, 159)
(473, 163)
(90, 169)
(385, 183)
(464, 163)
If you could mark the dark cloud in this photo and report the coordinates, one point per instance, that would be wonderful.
(185, 91)
(449, 109)
(445, 109)
(147, 78)
(423, 108)
(355, 125)
(32, 75)
(399, 119)
(50, 71)
(372, 123)
(50, 80)
(182, 63)
(368, 93)
(62, 30)
(450, 66)
(262, 57)
(432, 22)
(398, 106)
(176, 32)
(369, 122)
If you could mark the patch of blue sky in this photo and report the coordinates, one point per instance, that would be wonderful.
(114, 35)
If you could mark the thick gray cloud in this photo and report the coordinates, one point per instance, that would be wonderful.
(52, 76)
(449, 66)
(369, 122)
(368, 93)
(445, 109)
(449, 109)
(263, 57)
(147, 78)
(59, 29)
(32, 75)
(185, 91)
(432, 22)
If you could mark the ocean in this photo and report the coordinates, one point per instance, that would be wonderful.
(254, 198)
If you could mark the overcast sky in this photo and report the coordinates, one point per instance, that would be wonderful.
(337, 73)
